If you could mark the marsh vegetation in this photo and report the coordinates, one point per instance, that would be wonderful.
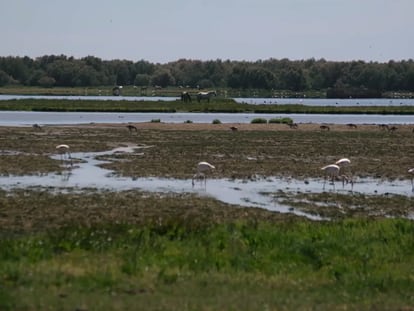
(218, 105)
(96, 250)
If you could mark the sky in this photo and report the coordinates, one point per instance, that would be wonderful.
(161, 31)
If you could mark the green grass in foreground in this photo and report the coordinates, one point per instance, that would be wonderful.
(296, 265)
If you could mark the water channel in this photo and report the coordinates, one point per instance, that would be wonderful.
(339, 102)
(260, 192)
(28, 118)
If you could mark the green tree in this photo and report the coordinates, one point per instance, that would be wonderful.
(4, 78)
(64, 72)
(46, 81)
(142, 79)
(87, 76)
(162, 78)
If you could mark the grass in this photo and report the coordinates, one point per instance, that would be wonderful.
(189, 265)
(215, 106)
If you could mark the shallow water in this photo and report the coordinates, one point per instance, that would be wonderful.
(339, 102)
(261, 192)
(28, 118)
(82, 97)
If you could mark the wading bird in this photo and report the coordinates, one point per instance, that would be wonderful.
(132, 128)
(343, 164)
(331, 171)
(37, 127)
(202, 169)
(324, 128)
(411, 172)
(64, 151)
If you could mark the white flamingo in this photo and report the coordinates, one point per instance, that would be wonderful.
(411, 172)
(202, 169)
(331, 171)
(343, 164)
(64, 151)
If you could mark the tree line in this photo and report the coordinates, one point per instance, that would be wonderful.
(340, 79)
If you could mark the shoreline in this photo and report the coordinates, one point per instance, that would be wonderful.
(234, 127)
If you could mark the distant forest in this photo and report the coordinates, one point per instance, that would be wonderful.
(338, 79)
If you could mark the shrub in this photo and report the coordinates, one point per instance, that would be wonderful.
(188, 121)
(258, 120)
(155, 120)
(281, 120)
(216, 121)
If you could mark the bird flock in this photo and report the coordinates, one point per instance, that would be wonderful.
(340, 170)
(336, 170)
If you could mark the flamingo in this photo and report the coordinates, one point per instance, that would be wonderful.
(411, 172)
(331, 170)
(64, 151)
(343, 163)
(202, 169)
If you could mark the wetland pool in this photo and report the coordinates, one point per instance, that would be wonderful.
(28, 118)
(268, 193)
(338, 102)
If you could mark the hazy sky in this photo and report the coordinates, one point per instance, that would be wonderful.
(168, 30)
